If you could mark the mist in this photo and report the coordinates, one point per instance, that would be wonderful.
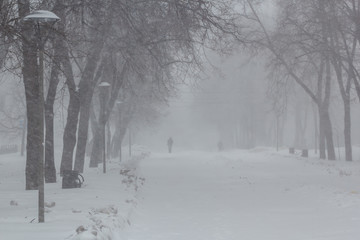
(169, 119)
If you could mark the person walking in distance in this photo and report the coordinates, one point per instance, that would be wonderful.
(170, 143)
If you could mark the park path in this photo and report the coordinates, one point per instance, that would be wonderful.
(243, 195)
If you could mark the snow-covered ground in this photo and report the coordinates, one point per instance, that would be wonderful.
(243, 194)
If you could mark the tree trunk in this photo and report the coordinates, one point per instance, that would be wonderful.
(83, 130)
(316, 129)
(326, 142)
(329, 138)
(322, 148)
(299, 142)
(115, 143)
(97, 149)
(23, 135)
(121, 127)
(347, 130)
(327, 122)
(32, 95)
(69, 137)
(50, 171)
(93, 121)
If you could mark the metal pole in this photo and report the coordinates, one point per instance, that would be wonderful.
(129, 141)
(119, 126)
(41, 130)
(104, 143)
(277, 133)
(120, 153)
(103, 123)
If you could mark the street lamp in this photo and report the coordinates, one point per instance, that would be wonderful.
(40, 18)
(104, 92)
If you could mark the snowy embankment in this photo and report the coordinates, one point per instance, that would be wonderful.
(98, 210)
(250, 194)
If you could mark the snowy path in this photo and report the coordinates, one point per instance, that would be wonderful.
(245, 195)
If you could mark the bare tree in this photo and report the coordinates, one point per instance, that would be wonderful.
(302, 34)
(142, 25)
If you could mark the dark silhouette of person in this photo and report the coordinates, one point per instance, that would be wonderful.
(220, 146)
(169, 144)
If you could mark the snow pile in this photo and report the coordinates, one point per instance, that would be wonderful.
(107, 222)
(104, 222)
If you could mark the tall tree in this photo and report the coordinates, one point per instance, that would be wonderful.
(33, 96)
(99, 23)
(302, 33)
(153, 28)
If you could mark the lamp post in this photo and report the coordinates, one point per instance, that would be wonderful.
(40, 18)
(104, 92)
(129, 140)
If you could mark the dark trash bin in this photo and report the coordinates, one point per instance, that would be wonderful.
(72, 179)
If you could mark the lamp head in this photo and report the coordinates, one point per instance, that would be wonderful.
(42, 16)
(104, 84)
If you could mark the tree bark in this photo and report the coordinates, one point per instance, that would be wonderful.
(23, 135)
(329, 138)
(98, 145)
(115, 142)
(316, 128)
(322, 139)
(69, 137)
(32, 95)
(347, 130)
(327, 122)
(50, 171)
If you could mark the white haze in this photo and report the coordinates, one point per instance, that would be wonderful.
(194, 118)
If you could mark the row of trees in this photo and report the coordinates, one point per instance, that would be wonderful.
(312, 53)
(144, 49)
(314, 43)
